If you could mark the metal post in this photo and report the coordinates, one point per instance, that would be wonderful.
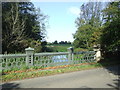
(29, 57)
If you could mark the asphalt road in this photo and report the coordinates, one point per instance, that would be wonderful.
(95, 78)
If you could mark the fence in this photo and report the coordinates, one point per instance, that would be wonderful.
(46, 59)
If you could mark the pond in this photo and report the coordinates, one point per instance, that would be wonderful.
(60, 59)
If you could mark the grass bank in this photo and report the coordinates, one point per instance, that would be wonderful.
(31, 73)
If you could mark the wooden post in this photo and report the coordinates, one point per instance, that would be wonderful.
(29, 57)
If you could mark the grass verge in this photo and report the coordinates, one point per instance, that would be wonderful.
(31, 73)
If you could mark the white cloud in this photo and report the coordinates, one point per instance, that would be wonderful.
(74, 10)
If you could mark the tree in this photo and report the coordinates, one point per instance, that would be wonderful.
(12, 26)
(69, 42)
(110, 39)
(83, 35)
(22, 24)
(88, 25)
(55, 42)
(61, 42)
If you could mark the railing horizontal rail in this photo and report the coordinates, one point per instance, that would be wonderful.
(48, 54)
(84, 52)
(12, 55)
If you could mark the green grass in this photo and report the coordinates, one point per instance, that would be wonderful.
(80, 49)
(39, 73)
(18, 76)
(58, 47)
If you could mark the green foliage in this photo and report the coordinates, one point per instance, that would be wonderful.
(55, 42)
(38, 73)
(96, 36)
(110, 39)
(99, 27)
(80, 49)
(21, 24)
(83, 34)
(88, 26)
(36, 45)
(36, 67)
(58, 47)
(61, 42)
(24, 67)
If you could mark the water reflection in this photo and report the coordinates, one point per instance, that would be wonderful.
(60, 59)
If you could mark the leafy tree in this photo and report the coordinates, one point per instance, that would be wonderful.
(61, 42)
(68, 42)
(12, 26)
(83, 35)
(22, 24)
(110, 39)
(55, 42)
(88, 25)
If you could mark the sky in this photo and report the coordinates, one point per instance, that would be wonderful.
(61, 21)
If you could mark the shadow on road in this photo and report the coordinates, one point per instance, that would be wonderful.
(114, 69)
(10, 86)
(116, 84)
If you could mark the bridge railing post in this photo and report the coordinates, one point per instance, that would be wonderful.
(70, 55)
(29, 56)
(98, 52)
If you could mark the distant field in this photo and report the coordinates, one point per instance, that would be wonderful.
(58, 47)
(62, 48)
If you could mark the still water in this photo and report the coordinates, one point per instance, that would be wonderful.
(60, 59)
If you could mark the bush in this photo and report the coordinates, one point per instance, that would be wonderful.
(80, 49)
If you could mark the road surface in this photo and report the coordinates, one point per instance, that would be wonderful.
(95, 78)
